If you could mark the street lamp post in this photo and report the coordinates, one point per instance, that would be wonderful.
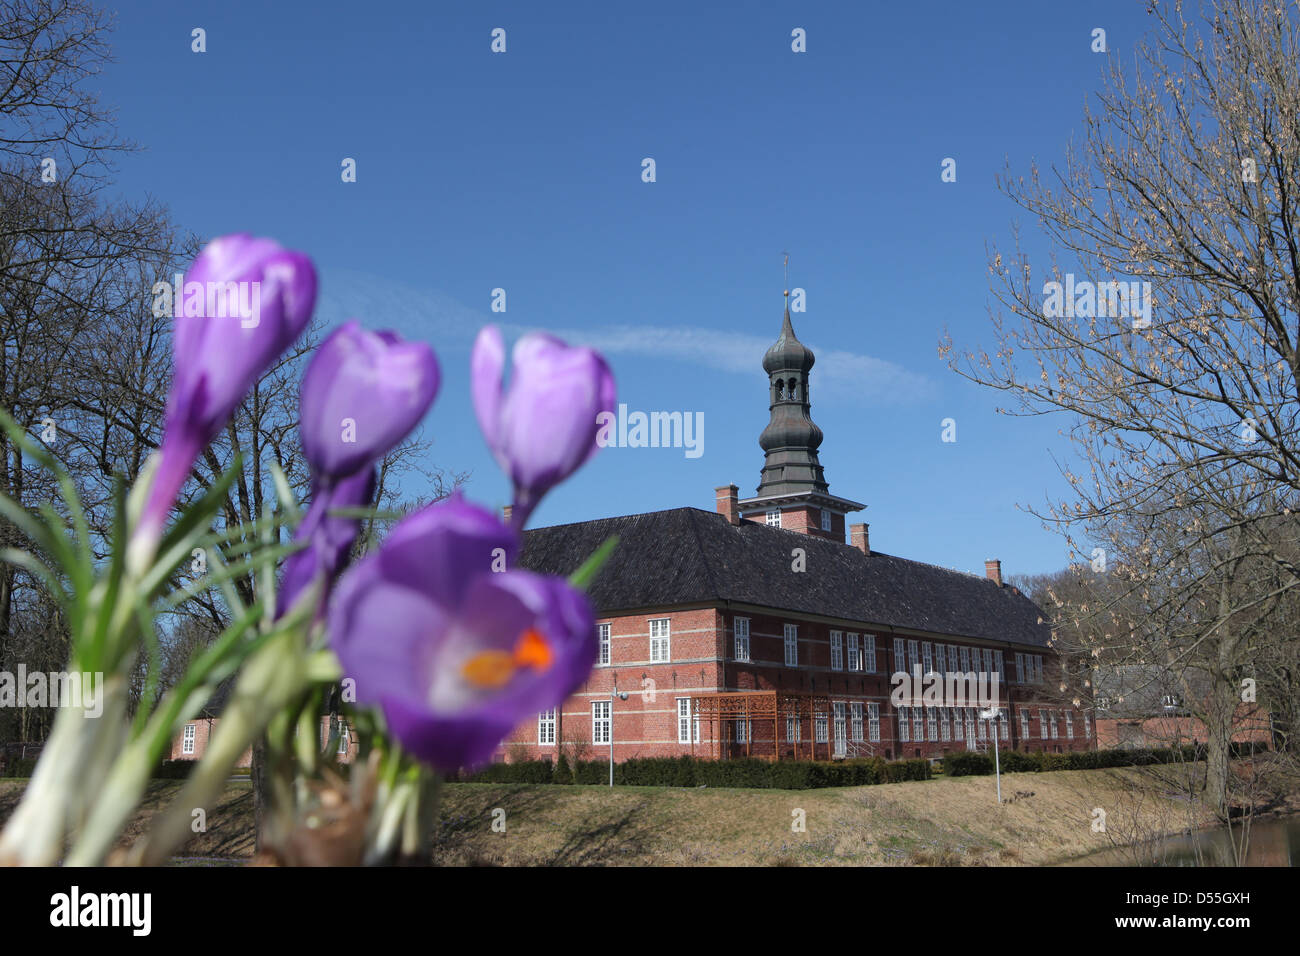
(994, 716)
(621, 695)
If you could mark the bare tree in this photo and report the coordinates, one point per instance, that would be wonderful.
(1170, 338)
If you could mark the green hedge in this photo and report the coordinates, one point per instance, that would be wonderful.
(1013, 761)
(689, 771)
(19, 768)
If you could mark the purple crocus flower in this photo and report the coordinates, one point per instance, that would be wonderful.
(329, 537)
(454, 653)
(244, 301)
(361, 395)
(543, 427)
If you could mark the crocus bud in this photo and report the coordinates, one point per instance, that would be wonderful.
(543, 427)
(361, 395)
(244, 301)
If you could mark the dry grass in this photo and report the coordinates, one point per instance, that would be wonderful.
(1046, 817)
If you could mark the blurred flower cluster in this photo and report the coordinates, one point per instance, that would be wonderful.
(445, 644)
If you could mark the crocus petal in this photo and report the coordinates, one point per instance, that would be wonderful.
(441, 549)
(544, 426)
(361, 395)
(218, 358)
(487, 364)
(455, 652)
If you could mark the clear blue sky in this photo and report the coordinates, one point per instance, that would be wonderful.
(522, 170)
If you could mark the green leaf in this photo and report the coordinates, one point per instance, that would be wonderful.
(583, 577)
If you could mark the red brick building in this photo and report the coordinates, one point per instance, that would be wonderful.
(758, 630)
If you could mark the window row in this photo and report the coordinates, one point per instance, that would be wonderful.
(915, 724)
(910, 653)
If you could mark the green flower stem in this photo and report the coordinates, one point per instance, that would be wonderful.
(68, 778)
(272, 678)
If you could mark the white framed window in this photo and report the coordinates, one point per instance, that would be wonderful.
(873, 722)
(742, 730)
(1069, 725)
(970, 727)
(869, 653)
(988, 660)
(980, 730)
(965, 660)
(1024, 724)
(792, 645)
(1042, 724)
(546, 727)
(855, 662)
(904, 726)
(918, 724)
(793, 730)
(1020, 668)
(927, 658)
(822, 733)
(660, 639)
(1038, 668)
(997, 666)
(187, 739)
(604, 643)
(931, 724)
(952, 657)
(1004, 723)
(742, 638)
(774, 517)
(601, 722)
(837, 650)
(343, 738)
(913, 655)
(841, 727)
(945, 731)
(826, 520)
(900, 665)
(1087, 727)
(855, 720)
(684, 722)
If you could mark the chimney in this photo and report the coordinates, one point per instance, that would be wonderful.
(858, 537)
(506, 512)
(728, 497)
(993, 571)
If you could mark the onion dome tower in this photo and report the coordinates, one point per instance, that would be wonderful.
(792, 490)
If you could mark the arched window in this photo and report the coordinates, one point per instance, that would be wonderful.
(780, 387)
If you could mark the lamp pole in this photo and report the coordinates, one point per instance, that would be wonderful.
(620, 695)
(995, 716)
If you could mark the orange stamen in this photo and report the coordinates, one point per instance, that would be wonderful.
(532, 650)
(489, 669)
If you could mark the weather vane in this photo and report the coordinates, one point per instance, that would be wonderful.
(787, 272)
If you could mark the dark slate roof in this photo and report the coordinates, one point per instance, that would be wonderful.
(689, 556)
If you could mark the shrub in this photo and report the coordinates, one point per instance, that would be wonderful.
(173, 769)
(563, 772)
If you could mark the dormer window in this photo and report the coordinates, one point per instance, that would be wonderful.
(774, 517)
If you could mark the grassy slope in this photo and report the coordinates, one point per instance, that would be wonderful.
(947, 821)
(1047, 818)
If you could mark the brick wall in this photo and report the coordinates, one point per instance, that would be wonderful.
(703, 649)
